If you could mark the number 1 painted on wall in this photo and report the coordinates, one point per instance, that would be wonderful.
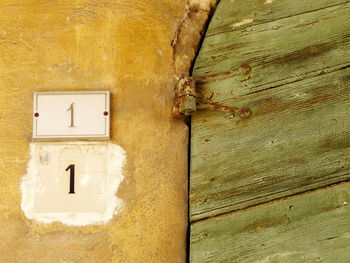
(71, 167)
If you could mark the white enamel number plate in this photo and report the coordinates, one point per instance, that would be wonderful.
(64, 115)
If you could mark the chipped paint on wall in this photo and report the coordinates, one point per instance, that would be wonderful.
(189, 34)
(98, 174)
(205, 5)
(116, 45)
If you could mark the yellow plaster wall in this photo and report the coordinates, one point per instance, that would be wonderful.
(123, 46)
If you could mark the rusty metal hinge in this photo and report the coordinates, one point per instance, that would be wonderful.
(187, 101)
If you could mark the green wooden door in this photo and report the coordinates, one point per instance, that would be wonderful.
(273, 187)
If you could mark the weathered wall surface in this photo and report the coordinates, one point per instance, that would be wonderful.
(122, 46)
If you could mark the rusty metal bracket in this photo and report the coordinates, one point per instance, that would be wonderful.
(187, 101)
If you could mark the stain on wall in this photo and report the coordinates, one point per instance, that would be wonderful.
(127, 47)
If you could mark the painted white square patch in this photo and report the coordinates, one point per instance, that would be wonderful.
(73, 183)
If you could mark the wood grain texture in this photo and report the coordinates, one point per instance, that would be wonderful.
(288, 63)
(266, 55)
(313, 227)
(296, 139)
(239, 14)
